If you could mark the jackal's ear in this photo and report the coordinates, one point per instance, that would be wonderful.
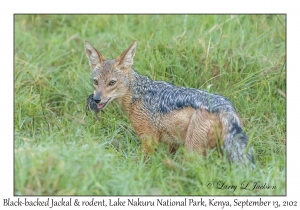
(94, 56)
(125, 60)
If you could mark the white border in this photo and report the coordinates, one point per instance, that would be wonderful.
(8, 8)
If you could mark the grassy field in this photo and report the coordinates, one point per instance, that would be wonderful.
(61, 151)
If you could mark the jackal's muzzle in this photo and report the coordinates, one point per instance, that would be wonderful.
(97, 97)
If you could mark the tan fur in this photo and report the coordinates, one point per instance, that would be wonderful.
(196, 129)
(140, 120)
(174, 125)
(203, 132)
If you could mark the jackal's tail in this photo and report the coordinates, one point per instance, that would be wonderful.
(235, 140)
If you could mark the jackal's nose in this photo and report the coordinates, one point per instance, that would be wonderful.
(97, 101)
(97, 96)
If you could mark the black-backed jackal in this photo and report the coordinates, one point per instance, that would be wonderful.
(162, 112)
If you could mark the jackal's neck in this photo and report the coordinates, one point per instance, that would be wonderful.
(135, 78)
(138, 86)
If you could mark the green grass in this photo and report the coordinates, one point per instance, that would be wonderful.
(61, 151)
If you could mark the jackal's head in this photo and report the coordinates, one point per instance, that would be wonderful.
(110, 77)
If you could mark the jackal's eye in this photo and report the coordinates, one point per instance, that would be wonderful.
(112, 82)
(95, 82)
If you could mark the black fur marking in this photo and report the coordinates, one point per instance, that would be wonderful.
(236, 128)
(164, 97)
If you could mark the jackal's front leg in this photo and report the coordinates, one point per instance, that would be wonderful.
(148, 144)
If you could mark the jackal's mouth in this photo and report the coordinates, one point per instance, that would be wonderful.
(102, 105)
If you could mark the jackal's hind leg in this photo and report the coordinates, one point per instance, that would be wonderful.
(203, 132)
